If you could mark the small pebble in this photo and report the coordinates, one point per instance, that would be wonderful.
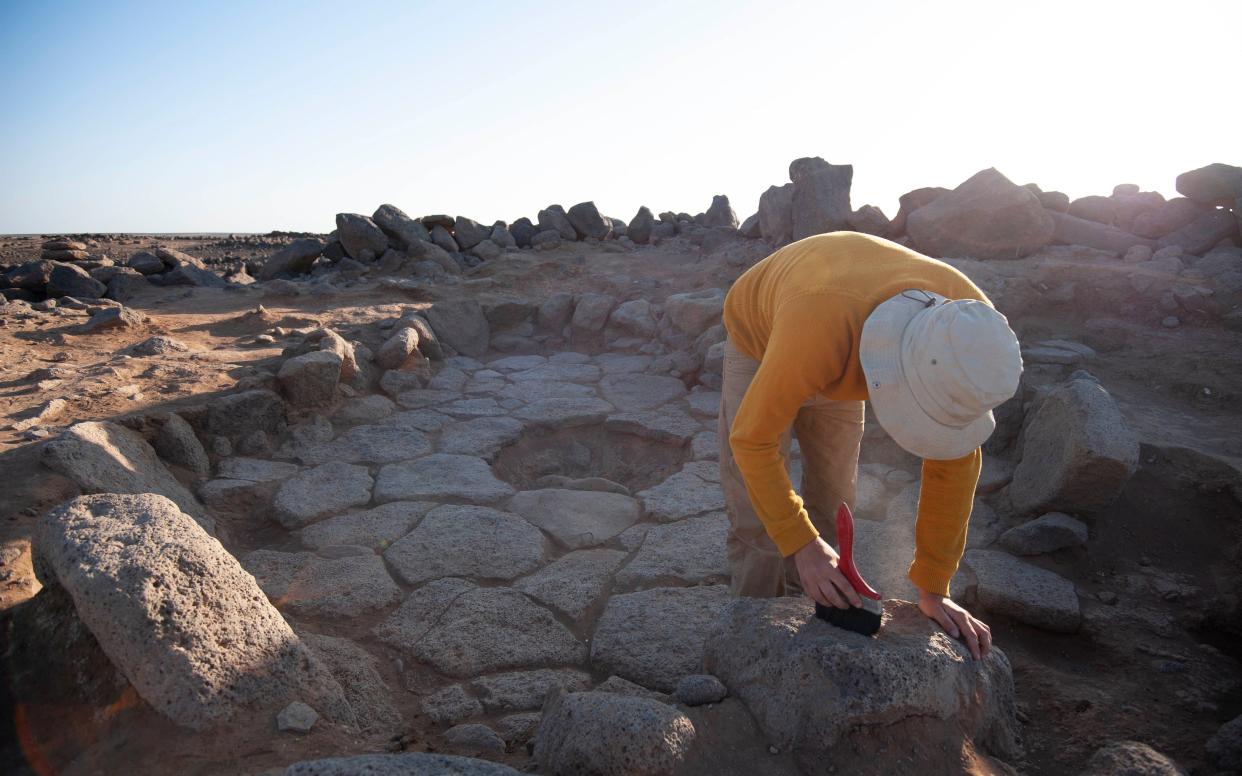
(773, 750)
(1171, 322)
(1107, 597)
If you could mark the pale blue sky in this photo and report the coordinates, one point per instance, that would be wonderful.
(224, 116)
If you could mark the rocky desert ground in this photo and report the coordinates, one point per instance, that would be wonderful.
(425, 495)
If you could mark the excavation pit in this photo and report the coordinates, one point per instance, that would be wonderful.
(588, 452)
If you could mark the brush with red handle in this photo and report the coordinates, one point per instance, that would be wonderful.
(863, 619)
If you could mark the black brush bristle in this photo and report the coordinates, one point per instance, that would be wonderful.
(854, 619)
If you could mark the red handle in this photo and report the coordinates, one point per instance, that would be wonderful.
(845, 537)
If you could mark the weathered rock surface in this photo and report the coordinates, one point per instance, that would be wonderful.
(576, 518)
(683, 494)
(867, 705)
(295, 258)
(523, 690)
(1024, 592)
(177, 444)
(310, 380)
(605, 734)
(404, 764)
(236, 414)
(688, 552)
(986, 217)
(630, 392)
(462, 325)
(1215, 184)
(1072, 230)
(776, 213)
(462, 630)
(177, 614)
(359, 236)
(102, 457)
(1225, 745)
(467, 541)
(1077, 454)
(587, 221)
(1049, 533)
(574, 582)
(402, 231)
(482, 437)
(304, 583)
(820, 200)
(441, 477)
(369, 444)
(357, 671)
(720, 214)
(320, 492)
(655, 637)
(1130, 758)
(374, 528)
(698, 689)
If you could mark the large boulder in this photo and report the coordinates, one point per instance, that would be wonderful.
(553, 218)
(776, 213)
(462, 325)
(639, 229)
(177, 615)
(402, 231)
(1168, 217)
(295, 258)
(986, 217)
(310, 380)
(102, 457)
(694, 312)
(587, 221)
(1072, 230)
(607, 734)
(1102, 210)
(358, 235)
(72, 280)
(910, 202)
(821, 196)
(1201, 234)
(468, 233)
(1077, 452)
(869, 219)
(1215, 184)
(866, 705)
(720, 213)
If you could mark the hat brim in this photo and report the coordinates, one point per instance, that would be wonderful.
(889, 391)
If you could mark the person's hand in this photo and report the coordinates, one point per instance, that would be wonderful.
(958, 623)
(822, 581)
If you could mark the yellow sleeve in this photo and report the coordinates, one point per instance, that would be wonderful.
(946, 497)
(806, 350)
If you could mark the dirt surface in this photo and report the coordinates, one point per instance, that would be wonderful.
(1162, 665)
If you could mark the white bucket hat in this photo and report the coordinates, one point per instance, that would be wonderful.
(935, 368)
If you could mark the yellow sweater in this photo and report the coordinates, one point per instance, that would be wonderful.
(800, 313)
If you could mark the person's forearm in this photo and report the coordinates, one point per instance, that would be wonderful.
(945, 500)
(772, 494)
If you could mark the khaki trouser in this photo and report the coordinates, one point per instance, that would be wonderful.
(829, 433)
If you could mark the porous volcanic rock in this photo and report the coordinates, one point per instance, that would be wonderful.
(177, 614)
(868, 705)
(986, 217)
